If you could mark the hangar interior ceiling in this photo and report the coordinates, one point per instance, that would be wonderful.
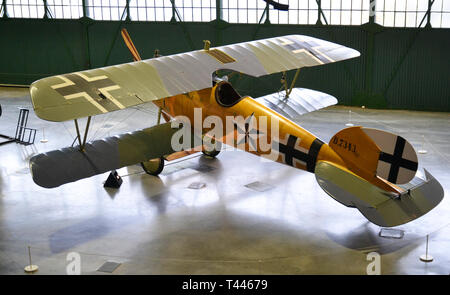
(404, 45)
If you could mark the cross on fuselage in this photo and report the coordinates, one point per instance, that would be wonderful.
(290, 152)
(247, 131)
(397, 161)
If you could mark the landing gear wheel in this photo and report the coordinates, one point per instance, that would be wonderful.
(215, 151)
(154, 166)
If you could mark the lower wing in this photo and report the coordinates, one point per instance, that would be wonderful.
(59, 167)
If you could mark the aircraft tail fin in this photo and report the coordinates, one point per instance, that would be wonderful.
(374, 154)
(379, 177)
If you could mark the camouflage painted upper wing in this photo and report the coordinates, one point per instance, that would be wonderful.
(97, 91)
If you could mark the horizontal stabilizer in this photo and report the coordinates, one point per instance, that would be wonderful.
(66, 165)
(379, 206)
(299, 102)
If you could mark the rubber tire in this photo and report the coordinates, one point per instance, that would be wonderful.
(213, 153)
(153, 167)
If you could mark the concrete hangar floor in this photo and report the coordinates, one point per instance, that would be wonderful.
(231, 215)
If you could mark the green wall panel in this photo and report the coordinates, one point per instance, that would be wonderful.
(398, 68)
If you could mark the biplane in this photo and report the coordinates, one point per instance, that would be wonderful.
(368, 169)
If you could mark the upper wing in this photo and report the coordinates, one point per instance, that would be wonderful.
(97, 91)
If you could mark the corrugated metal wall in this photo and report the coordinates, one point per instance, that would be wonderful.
(398, 68)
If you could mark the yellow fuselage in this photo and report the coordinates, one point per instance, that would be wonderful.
(295, 146)
(296, 153)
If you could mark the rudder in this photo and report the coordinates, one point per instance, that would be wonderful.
(371, 152)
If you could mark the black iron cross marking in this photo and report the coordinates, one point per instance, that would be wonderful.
(290, 152)
(249, 132)
(82, 85)
(397, 161)
(307, 46)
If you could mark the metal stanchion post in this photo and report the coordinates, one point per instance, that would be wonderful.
(43, 140)
(30, 268)
(349, 124)
(426, 257)
(422, 148)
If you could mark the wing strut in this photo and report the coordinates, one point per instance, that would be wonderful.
(285, 85)
(82, 144)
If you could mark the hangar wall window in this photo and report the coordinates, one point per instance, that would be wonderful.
(25, 8)
(400, 13)
(336, 12)
(196, 10)
(150, 10)
(346, 12)
(65, 8)
(389, 13)
(440, 14)
(410, 13)
(300, 12)
(243, 12)
(106, 9)
(161, 10)
(251, 12)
